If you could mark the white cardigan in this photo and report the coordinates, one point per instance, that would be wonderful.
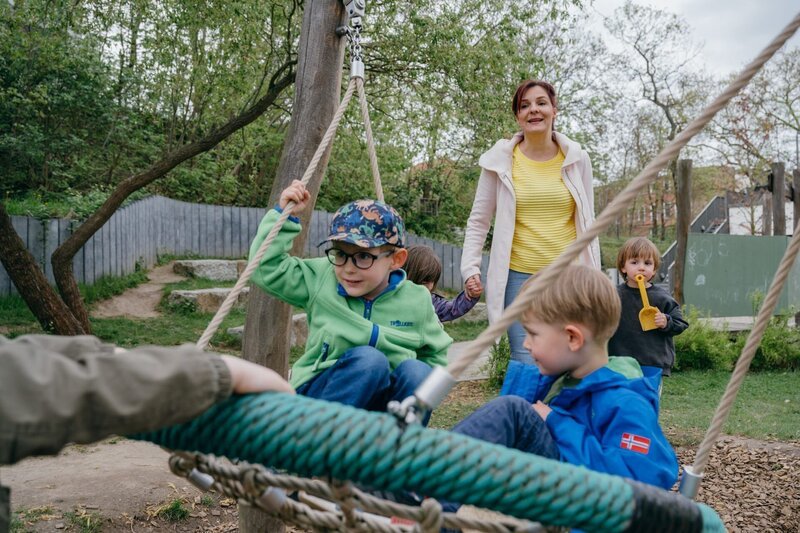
(495, 198)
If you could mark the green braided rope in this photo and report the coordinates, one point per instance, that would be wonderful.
(317, 438)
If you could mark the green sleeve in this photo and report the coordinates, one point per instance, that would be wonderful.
(286, 277)
(436, 341)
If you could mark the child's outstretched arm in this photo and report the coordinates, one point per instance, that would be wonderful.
(55, 390)
(286, 277)
(448, 310)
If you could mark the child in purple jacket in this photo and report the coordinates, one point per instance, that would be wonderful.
(423, 267)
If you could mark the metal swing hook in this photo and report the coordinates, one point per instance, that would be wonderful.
(355, 10)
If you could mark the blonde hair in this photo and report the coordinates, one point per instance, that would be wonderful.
(638, 247)
(580, 295)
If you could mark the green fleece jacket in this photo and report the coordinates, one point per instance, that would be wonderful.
(400, 322)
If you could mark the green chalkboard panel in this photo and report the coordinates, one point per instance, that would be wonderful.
(724, 272)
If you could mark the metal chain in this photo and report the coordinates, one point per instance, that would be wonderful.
(354, 39)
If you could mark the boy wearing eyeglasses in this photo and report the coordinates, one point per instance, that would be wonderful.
(373, 337)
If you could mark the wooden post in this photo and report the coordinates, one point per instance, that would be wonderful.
(778, 199)
(796, 184)
(318, 83)
(766, 216)
(683, 206)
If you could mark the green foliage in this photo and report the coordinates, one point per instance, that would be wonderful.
(69, 203)
(435, 200)
(175, 511)
(206, 500)
(56, 103)
(779, 348)
(499, 357)
(702, 348)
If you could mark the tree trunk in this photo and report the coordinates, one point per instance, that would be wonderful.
(779, 199)
(317, 90)
(63, 255)
(47, 307)
(683, 204)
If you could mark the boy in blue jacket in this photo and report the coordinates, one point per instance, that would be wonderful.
(373, 337)
(577, 404)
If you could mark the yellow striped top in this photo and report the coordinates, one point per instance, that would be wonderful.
(545, 216)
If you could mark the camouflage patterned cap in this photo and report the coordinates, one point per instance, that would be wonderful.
(368, 224)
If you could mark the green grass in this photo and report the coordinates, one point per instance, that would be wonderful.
(465, 331)
(22, 518)
(83, 521)
(688, 403)
(465, 399)
(109, 286)
(175, 511)
(761, 410)
(168, 330)
(14, 312)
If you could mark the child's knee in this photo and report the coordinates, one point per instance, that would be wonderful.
(507, 408)
(413, 370)
(369, 362)
(511, 403)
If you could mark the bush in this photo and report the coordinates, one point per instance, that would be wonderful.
(702, 348)
(499, 356)
(779, 348)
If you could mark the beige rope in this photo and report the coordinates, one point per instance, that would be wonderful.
(233, 295)
(226, 306)
(373, 156)
(617, 206)
(247, 482)
(749, 351)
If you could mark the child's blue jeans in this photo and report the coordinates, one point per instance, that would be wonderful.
(361, 377)
(511, 422)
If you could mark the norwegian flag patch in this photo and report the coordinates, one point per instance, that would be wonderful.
(635, 443)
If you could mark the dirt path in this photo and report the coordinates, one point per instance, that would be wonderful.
(141, 301)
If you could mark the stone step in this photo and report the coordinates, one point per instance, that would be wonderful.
(213, 269)
(205, 300)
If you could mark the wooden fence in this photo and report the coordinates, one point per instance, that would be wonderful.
(155, 226)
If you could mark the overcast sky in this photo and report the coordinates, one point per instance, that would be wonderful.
(733, 31)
